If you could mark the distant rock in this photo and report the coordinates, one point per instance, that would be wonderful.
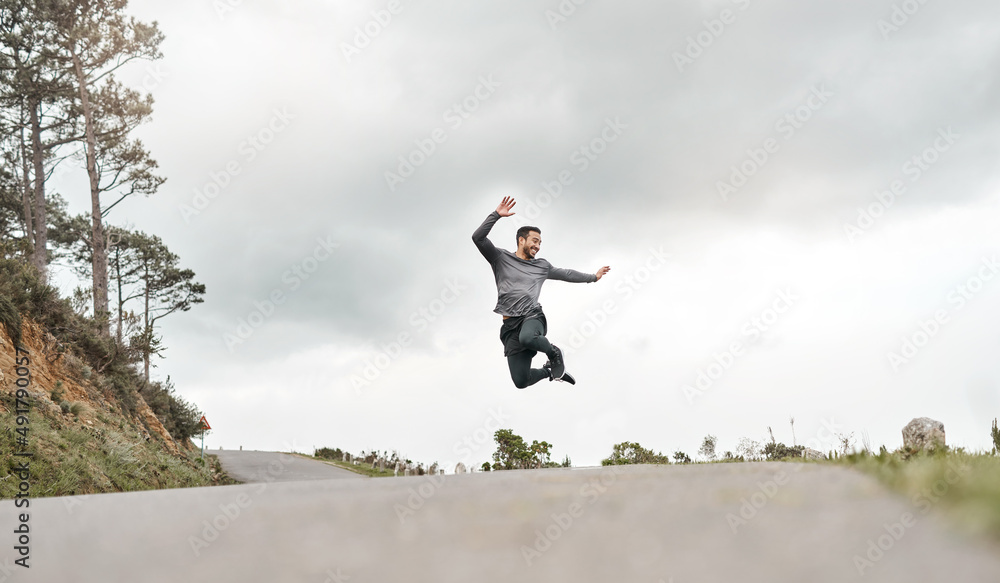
(812, 454)
(923, 433)
(460, 468)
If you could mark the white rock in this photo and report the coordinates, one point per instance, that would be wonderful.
(923, 433)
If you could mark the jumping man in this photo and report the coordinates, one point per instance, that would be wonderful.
(519, 278)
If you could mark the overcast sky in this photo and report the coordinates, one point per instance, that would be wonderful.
(798, 202)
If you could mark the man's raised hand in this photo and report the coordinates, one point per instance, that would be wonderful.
(505, 205)
(600, 272)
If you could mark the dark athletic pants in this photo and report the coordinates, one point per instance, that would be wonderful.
(531, 337)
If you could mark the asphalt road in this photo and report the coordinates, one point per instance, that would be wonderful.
(268, 466)
(746, 523)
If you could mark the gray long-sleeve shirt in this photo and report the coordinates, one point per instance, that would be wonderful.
(519, 282)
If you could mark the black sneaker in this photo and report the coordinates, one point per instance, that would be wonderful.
(558, 366)
(566, 377)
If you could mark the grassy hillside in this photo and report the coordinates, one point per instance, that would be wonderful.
(93, 454)
(74, 400)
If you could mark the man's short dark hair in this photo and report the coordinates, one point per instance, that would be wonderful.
(523, 232)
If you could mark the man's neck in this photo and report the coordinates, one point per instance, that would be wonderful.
(521, 255)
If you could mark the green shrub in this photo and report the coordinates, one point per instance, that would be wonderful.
(11, 320)
(779, 451)
(329, 454)
(681, 457)
(513, 452)
(57, 392)
(632, 453)
(180, 418)
(65, 406)
(707, 449)
(122, 386)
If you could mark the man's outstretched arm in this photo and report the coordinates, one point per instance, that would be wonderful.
(574, 276)
(479, 237)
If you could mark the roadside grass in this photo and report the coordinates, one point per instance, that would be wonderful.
(221, 478)
(70, 458)
(363, 469)
(966, 486)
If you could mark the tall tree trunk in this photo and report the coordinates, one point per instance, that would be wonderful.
(26, 191)
(41, 257)
(99, 244)
(149, 336)
(118, 278)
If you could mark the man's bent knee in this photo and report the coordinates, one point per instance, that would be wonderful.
(528, 337)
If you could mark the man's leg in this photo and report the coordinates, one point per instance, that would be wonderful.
(521, 372)
(533, 336)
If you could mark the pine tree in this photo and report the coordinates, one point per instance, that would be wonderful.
(94, 39)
